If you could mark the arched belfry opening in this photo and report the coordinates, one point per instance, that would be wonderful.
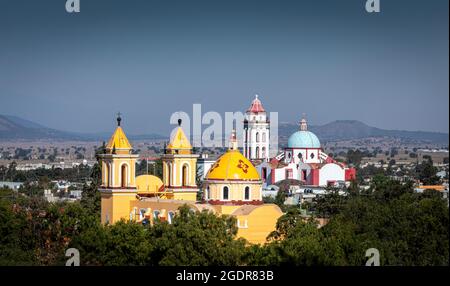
(124, 176)
(185, 175)
(107, 175)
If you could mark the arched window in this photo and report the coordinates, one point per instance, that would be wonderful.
(263, 152)
(257, 136)
(263, 137)
(207, 194)
(156, 215)
(169, 174)
(107, 174)
(124, 175)
(225, 194)
(185, 175)
(247, 193)
(257, 152)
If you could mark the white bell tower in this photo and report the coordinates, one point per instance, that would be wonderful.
(256, 132)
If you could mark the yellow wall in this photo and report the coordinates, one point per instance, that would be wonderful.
(185, 195)
(173, 166)
(116, 206)
(258, 224)
(236, 190)
(112, 172)
(118, 188)
(226, 210)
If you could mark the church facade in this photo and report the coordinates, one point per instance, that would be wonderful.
(232, 186)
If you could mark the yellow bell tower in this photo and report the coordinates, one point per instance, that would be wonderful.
(180, 168)
(118, 187)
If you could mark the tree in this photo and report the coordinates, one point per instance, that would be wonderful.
(408, 228)
(426, 173)
(90, 197)
(193, 239)
(329, 204)
(354, 157)
(413, 155)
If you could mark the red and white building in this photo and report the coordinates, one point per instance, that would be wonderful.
(256, 132)
(303, 159)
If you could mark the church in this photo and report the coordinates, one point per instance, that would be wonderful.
(303, 158)
(232, 186)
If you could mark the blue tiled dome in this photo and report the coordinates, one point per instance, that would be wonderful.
(303, 139)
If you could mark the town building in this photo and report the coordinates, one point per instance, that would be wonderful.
(204, 163)
(11, 185)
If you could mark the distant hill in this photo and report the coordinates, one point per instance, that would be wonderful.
(13, 127)
(16, 128)
(353, 129)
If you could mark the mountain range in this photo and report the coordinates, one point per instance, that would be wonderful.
(16, 128)
(353, 129)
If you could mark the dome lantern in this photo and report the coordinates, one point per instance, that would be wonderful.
(303, 124)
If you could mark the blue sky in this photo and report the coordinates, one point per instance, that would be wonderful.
(149, 58)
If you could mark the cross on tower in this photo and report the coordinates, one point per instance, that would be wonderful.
(119, 118)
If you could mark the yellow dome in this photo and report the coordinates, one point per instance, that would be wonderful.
(148, 184)
(233, 166)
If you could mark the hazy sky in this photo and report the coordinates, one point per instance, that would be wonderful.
(150, 58)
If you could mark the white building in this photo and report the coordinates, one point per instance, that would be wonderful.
(256, 132)
(11, 185)
(204, 163)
